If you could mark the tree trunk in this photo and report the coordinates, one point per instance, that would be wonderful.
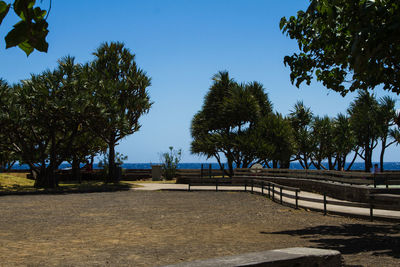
(46, 178)
(230, 166)
(330, 165)
(111, 162)
(339, 163)
(274, 164)
(76, 170)
(284, 164)
(351, 163)
(367, 160)
(382, 153)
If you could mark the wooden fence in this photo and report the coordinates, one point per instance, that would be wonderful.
(346, 177)
(277, 192)
(183, 174)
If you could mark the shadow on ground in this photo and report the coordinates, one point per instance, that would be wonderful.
(379, 239)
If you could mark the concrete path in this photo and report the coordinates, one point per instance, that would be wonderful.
(337, 209)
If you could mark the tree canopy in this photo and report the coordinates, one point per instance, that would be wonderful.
(31, 30)
(120, 95)
(346, 44)
(236, 121)
(72, 112)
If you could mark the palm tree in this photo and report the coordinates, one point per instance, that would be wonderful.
(387, 115)
(322, 133)
(300, 118)
(343, 140)
(227, 123)
(121, 95)
(365, 124)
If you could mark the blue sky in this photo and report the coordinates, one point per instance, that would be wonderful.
(180, 44)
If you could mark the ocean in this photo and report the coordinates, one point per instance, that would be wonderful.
(294, 165)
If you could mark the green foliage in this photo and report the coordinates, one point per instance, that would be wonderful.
(120, 95)
(347, 45)
(7, 156)
(343, 139)
(365, 122)
(104, 162)
(228, 122)
(45, 116)
(322, 134)
(72, 113)
(301, 118)
(170, 161)
(276, 140)
(387, 117)
(31, 31)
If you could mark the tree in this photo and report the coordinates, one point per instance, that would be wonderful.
(7, 155)
(322, 135)
(387, 115)
(120, 96)
(300, 118)
(343, 140)
(348, 45)
(31, 31)
(276, 141)
(45, 116)
(227, 122)
(365, 124)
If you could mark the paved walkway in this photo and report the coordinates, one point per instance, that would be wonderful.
(338, 209)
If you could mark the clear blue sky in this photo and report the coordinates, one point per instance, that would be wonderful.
(180, 44)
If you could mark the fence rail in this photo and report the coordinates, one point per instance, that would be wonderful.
(345, 177)
(277, 193)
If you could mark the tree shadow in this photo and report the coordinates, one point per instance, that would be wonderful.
(380, 239)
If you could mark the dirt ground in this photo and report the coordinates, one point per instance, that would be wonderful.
(133, 228)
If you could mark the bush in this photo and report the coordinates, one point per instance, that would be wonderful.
(170, 161)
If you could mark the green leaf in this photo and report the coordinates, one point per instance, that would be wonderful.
(26, 47)
(41, 45)
(18, 35)
(4, 8)
(39, 14)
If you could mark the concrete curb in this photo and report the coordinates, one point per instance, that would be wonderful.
(296, 257)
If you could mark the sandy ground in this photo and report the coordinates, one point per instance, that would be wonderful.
(138, 228)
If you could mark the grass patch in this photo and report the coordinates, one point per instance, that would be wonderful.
(15, 182)
(11, 183)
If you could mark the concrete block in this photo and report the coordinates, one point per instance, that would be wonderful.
(288, 257)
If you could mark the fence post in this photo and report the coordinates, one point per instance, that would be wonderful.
(201, 171)
(252, 185)
(216, 184)
(209, 170)
(371, 209)
(223, 171)
(189, 186)
(273, 192)
(269, 190)
(281, 195)
(245, 185)
(324, 203)
(297, 200)
(374, 180)
(262, 188)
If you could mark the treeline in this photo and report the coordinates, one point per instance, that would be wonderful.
(237, 121)
(72, 113)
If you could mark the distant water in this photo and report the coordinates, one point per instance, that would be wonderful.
(294, 165)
